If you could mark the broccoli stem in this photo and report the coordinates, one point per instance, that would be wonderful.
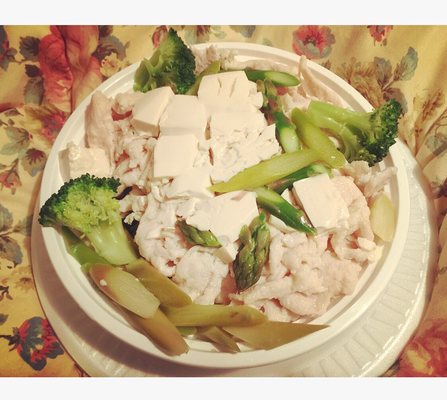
(276, 205)
(357, 119)
(278, 78)
(111, 242)
(286, 183)
(315, 139)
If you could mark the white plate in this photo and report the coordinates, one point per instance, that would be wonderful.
(367, 348)
(201, 354)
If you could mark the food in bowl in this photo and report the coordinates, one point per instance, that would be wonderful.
(239, 188)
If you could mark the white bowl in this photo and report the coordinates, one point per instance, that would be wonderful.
(339, 317)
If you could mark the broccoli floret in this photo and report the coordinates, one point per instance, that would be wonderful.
(363, 136)
(88, 207)
(172, 64)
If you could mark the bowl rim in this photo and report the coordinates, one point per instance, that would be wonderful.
(97, 309)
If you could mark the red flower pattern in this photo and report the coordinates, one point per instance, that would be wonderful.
(313, 41)
(380, 32)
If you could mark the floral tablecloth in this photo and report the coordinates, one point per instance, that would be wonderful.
(45, 72)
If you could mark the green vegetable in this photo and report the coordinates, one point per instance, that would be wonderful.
(273, 111)
(252, 254)
(196, 236)
(83, 254)
(213, 315)
(271, 334)
(268, 171)
(223, 341)
(276, 205)
(162, 332)
(286, 183)
(124, 289)
(87, 205)
(315, 139)
(278, 78)
(160, 285)
(363, 135)
(211, 69)
(172, 64)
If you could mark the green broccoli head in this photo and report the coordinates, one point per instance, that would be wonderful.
(365, 136)
(172, 64)
(87, 206)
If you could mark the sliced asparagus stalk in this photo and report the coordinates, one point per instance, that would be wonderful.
(271, 334)
(217, 315)
(286, 133)
(196, 236)
(162, 332)
(268, 171)
(314, 138)
(211, 69)
(253, 253)
(124, 289)
(223, 341)
(286, 183)
(276, 205)
(277, 77)
(161, 286)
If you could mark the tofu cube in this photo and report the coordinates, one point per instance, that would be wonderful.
(228, 91)
(174, 155)
(149, 108)
(225, 215)
(184, 115)
(225, 123)
(321, 201)
(77, 161)
(193, 183)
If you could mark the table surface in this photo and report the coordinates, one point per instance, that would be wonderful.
(46, 71)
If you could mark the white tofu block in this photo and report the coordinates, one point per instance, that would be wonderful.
(184, 115)
(225, 215)
(321, 201)
(228, 91)
(174, 155)
(149, 108)
(225, 123)
(227, 253)
(193, 183)
(276, 222)
(77, 161)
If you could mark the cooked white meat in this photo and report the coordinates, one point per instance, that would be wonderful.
(99, 126)
(124, 102)
(200, 274)
(303, 305)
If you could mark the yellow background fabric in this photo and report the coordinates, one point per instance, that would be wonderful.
(46, 71)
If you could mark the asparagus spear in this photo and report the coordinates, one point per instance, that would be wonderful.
(268, 171)
(315, 139)
(220, 338)
(286, 183)
(196, 236)
(253, 253)
(277, 77)
(274, 113)
(160, 285)
(124, 289)
(282, 209)
(213, 315)
(271, 334)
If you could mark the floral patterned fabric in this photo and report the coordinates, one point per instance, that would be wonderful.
(45, 72)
